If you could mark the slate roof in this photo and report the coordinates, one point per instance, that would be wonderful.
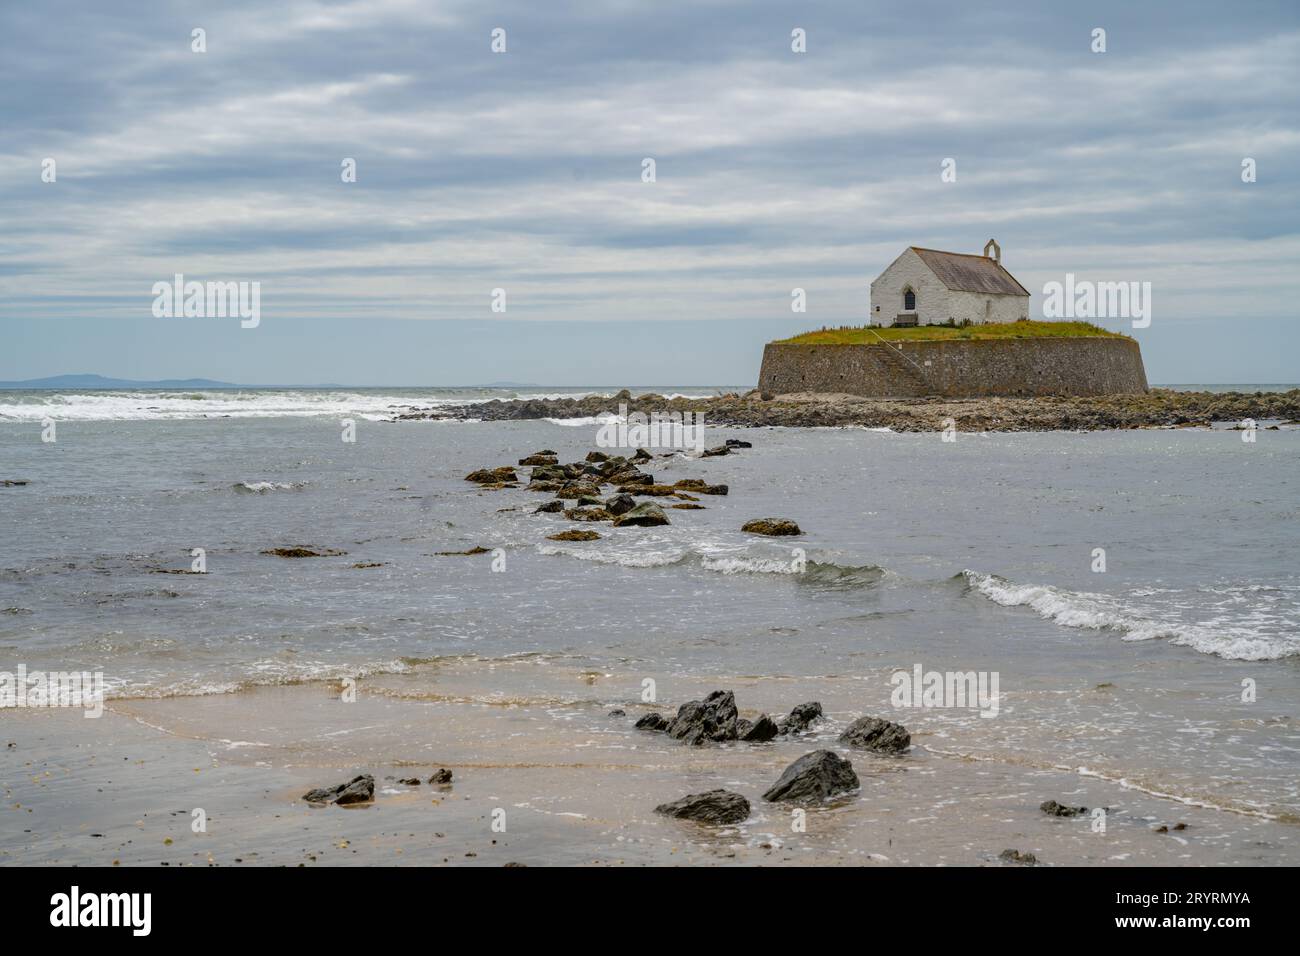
(967, 273)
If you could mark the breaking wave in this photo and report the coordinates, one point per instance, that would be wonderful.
(1257, 636)
(263, 487)
(825, 574)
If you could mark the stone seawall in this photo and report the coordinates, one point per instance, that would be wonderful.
(958, 368)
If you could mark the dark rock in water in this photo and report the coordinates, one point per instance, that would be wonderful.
(737, 443)
(597, 456)
(586, 502)
(410, 781)
(623, 396)
(642, 455)
(874, 733)
(800, 717)
(1015, 856)
(713, 718)
(304, 552)
(646, 515)
(579, 490)
(652, 721)
(492, 475)
(618, 712)
(441, 777)
(1054, 809)
(742, 727)
(550, 508)
(772, 527)
(588, 514)
(714, 806)
(546, 451)
(477, 549)
(814, 776)
(637, 479)
(359, 789)
(620, 504)
(548, 473)
(715, 452)
(546, 484)
(687, 506)
(691, 484)
(712, 489)
(760, 730)
(13, 482)
(574, 534)
(539, 459)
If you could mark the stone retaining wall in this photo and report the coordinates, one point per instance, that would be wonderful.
(958, 368)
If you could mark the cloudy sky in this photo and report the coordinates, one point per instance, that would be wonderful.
(523, 170)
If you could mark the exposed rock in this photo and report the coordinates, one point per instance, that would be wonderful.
(654, 491)
(759, 730)
(642, 455)
(638, 479)
(713, 806)
(1158, 408)
(588, 502)
(646, 515)
(579, 490)
(773, 527)
(492, 475)
(652, 721)
(1015, 856)
(814, 776)
(588, 514)
(1054, 809)
(874, 733)
(546, 484)
(539, 459)
(410, 781)
(737, 443)
(800, 717)
(713, 718)
(712, 489)
(691, 483)
(574, 534)
(359, 789)
(550, 508)
(620, 504)
(13, 482)
(618, 712)
(597, 456)
(687, 506)
(715, 452)
(477, 549)
(441, 777)
(304, 552)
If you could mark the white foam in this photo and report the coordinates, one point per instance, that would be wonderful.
(1245, 638)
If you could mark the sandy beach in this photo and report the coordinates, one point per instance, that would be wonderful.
(533, 739)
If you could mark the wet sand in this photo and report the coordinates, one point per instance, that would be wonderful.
(534, 738)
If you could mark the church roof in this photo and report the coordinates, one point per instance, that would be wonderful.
(966, 273)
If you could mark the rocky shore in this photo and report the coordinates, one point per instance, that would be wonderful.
(1159, 408)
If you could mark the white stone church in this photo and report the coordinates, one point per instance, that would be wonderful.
(929, 287)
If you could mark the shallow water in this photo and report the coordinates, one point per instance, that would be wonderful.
(974, 555)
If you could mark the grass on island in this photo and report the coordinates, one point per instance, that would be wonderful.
(859, 335)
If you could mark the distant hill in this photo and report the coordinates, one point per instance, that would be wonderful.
(99, 381)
